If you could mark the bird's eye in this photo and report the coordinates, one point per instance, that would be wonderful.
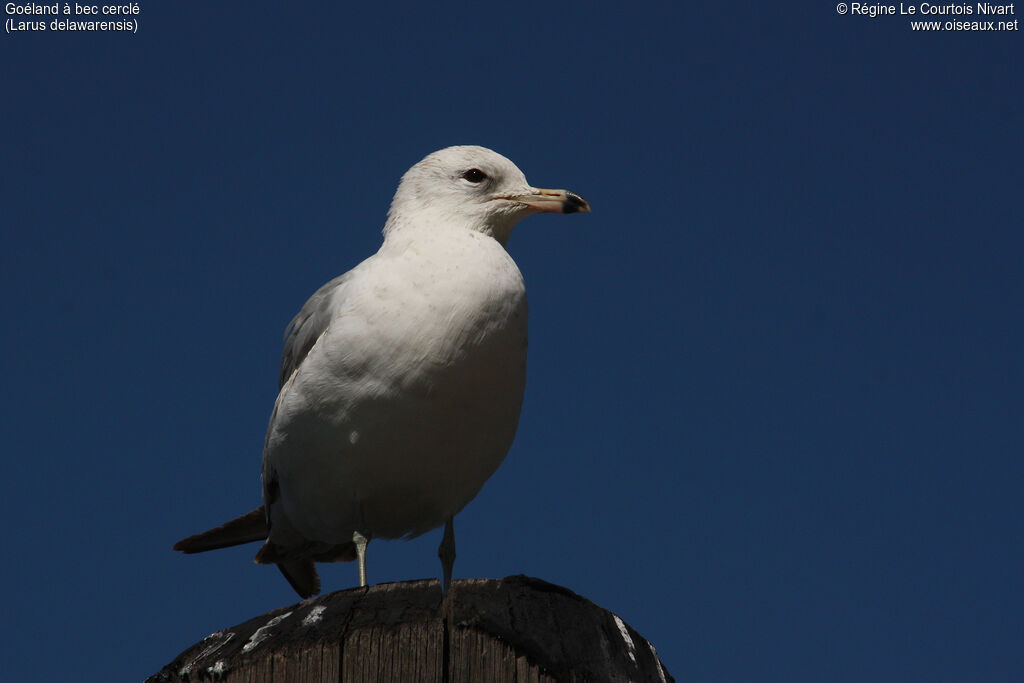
(475, 175)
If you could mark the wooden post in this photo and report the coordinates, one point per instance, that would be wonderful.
(511, 630)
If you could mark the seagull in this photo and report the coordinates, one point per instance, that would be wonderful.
(402, 380)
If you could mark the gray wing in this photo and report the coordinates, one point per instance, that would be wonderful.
(306, 327)
(299, 337)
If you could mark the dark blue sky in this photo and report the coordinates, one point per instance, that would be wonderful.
(774, 409)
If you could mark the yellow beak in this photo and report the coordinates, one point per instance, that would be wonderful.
(553, 201)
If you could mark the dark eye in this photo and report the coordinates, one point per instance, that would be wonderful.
(475, 175)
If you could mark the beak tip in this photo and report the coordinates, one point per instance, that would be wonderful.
(575, 204)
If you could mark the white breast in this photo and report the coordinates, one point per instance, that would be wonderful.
(410, 400)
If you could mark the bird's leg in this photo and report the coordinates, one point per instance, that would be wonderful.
(446, 551)
(359, 539)
(361, 542)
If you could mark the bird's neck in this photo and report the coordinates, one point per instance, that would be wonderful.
(439, 225)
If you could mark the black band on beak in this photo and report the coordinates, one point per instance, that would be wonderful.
(573, 203)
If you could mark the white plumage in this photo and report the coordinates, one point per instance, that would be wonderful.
(402, 380)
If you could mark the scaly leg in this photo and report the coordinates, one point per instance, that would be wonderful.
(361, 542)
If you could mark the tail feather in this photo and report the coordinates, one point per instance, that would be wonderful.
(300, 571)
(245, 529)
(301, 574)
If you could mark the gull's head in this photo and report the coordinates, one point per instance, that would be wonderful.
(472, 188)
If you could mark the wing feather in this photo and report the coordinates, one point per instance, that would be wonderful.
(307, 326)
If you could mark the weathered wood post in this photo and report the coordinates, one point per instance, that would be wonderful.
(511, 630)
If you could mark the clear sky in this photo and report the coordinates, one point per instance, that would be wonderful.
(774, 410)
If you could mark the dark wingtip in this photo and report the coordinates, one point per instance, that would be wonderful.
(245, 529)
